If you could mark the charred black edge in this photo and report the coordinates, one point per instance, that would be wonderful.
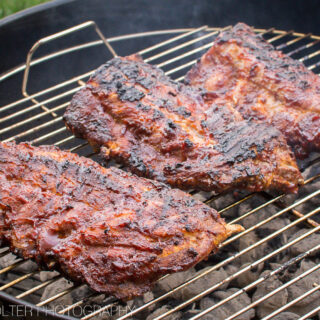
(116, 62)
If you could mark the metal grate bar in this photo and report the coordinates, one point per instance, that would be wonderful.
(233, 204)
(309, 221)
(46, 91)
(56, 296)
(12, 266)
(265, 204)
(12, 283)
(52, 133)
(38, 287)
(18, 113)
(254, 284)
(56, 36)
(97, 312)
(276, 215)
(309, 314)
(309, 56)
(64, 140)
(183, 45)
(314, 66)
(291, 42)
(280, 36)
(40, 115)
(78, 147)
(264, 32)
(188, 64)
(233, 276)
(304, 47)
(184, 55)
(35, 129)
(293, 302)
(163, 43)
(79, 303)
(92, 44)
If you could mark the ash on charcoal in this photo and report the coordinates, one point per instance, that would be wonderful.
(278, 241)
(286, 316)
(99, 299)
(255, 217)
(79, 293)
(7, 260)
(302, 286)
(162, 310)
(255, 253)
(140, 301)
(191, 313)
(202, 195)
(55, 288)
(224, 201)
(26, 267)
(120, 310)
(196, 287)
(215, 258)
(307, 189)
(228, 308)
(275, 225)
(274, 302)
(174, 280)
(231, 270)
(47, 275)
(306, 244)
(22, 286)
(249, 276)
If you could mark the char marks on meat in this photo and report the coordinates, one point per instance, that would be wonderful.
(105, 227)
(246, 72)
(176, 134)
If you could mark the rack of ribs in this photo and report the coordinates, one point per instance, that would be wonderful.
(263, 84)
(110, 229)
(133, 113)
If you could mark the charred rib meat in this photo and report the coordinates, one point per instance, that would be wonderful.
(263, 84)
(177, 134)
(112, 230)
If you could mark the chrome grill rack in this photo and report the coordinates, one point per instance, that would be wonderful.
(37, 117)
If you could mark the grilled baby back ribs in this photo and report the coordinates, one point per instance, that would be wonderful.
(263, 84)
(112, 230)
(176, 134)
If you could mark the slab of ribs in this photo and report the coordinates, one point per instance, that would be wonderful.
(248, 74)
(110, 229)
(177, 134)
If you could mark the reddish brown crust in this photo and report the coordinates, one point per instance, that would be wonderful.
(263, 84)
(104, 227)
(176, 134)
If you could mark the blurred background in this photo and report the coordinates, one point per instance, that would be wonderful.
(19, 30)
(8, 7)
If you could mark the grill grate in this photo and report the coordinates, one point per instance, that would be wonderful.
(37, 117)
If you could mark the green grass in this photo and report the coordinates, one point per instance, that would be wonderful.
(11, 6)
